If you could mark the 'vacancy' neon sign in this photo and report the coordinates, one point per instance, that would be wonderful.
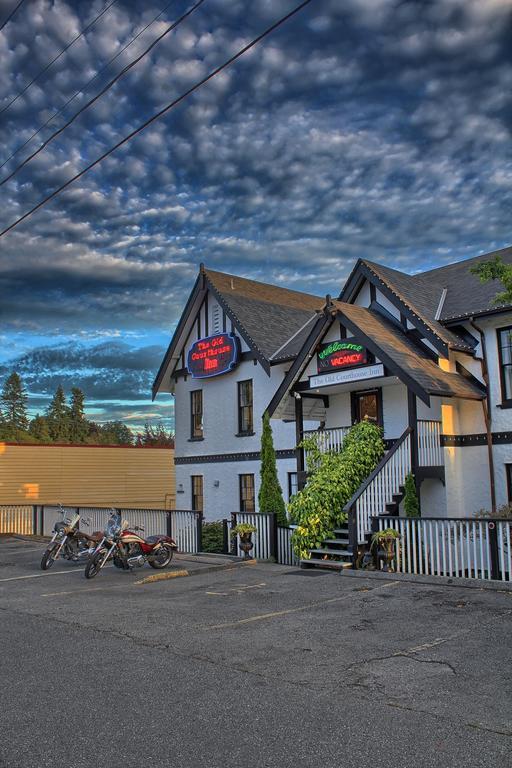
(341, 354)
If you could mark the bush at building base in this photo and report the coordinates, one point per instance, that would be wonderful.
(411, 501)
(334, 478)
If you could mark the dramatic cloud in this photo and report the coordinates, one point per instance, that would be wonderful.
(375, 128)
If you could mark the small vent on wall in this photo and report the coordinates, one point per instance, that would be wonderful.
(216, 320)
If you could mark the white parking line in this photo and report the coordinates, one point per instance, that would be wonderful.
(42, 575)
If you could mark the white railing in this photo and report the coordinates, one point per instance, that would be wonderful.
(504, 530)
(452, 547)
(383, 483)
(262, 538)
(17, 519)
(430, 451)
(182, 524)
(328, 439)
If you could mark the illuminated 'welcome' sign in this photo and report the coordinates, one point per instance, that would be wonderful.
(213, 355)
(341, 354)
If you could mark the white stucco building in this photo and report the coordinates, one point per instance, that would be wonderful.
(428, 357)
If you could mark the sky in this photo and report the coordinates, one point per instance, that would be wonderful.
(364, 128)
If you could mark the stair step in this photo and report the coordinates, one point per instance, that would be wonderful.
(341, 531)
(333, 565)
(344, 542)
(334, 552)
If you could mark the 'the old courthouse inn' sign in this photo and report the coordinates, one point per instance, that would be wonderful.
(213, 355)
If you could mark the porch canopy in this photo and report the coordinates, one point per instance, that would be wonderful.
(397, 354)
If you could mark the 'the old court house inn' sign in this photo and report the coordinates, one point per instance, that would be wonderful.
(345, 353)
(213, 355)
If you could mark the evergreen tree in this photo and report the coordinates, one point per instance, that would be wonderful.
(58, 416)
(115, 433)
(270, 497)
(38, 429)
(78, 426)
(411, 502)
(13, 402)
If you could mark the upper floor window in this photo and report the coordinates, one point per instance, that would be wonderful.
(245, 408)
(196, 414)
(505, 357)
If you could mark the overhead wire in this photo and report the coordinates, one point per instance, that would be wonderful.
(7, 20)
(87, 84)
(56, 58)
(157, 115)
(106, 88)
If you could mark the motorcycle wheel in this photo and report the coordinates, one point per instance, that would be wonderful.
(162, 557)
(48, 558)
(93, 567)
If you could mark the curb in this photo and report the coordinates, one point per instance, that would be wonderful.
(438, 581)
(181, 573)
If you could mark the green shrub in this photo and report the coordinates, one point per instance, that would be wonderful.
(411, 501)
(270, 496)
(213, 537)
(333, 479)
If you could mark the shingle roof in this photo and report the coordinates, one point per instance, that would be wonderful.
(270, 315)
(399, 348)
(465, 294)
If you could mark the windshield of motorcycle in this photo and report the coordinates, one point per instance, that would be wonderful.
(69, 520)
(113, 526)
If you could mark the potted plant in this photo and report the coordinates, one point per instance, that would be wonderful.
(244, 532)
(385, 543)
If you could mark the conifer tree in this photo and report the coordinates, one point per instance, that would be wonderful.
(58, 417)
(13, 404)
(38, 429)
(78, 426)
(270, 497)
(411, 501)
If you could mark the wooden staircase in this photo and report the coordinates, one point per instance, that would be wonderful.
(380, 494)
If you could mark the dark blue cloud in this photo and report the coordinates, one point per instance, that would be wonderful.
(375, 128)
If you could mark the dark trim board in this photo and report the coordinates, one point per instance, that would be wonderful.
(224, 458)
(461, 441)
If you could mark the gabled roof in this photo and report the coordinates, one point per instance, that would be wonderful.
(266, 316)
(393, 348)
(439, 296)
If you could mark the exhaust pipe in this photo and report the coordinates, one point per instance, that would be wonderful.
(139, 560)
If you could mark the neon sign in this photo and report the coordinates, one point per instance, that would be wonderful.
(213, 355)
(341, 354)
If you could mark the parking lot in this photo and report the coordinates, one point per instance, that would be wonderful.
(263, 665)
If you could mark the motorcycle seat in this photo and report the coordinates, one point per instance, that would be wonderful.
(161, 537)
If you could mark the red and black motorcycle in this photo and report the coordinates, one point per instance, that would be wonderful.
(128, 549)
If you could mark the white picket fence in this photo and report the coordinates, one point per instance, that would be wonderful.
(285, 553)
(17, 519)
(460, 548)
(262, 538)
(183, 523)
(430, 450)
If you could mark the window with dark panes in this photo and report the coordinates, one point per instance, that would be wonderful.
(505, 357)
(197, 493)
(292, 484)
(196, 413)
(247, 498)
(245, 408)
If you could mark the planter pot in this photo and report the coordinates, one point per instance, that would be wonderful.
(246, 544)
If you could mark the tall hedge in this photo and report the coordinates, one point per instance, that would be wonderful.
(270, 496)
(318, 508)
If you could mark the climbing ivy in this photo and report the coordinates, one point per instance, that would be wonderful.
(333, 479)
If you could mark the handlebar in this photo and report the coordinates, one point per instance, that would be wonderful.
(138, 528)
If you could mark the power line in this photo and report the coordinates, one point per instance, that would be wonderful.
(84, 87)
(106, 88)
(158, 114)
(47, 67)
(11, 14)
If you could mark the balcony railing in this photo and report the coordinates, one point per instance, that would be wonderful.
(430, 450)
(328, 439)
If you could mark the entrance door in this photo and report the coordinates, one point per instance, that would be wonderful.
(367, 405)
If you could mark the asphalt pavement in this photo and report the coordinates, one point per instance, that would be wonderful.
(258, 666)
